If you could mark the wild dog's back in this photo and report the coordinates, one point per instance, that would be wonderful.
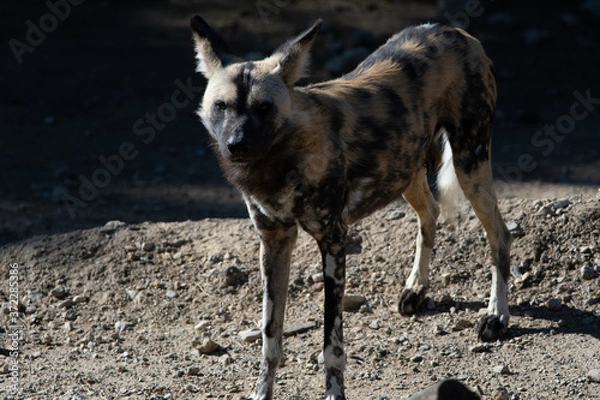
(389, 111)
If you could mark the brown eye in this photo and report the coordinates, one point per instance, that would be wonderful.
(220, 105)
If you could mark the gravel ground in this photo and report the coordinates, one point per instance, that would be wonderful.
(155, 310)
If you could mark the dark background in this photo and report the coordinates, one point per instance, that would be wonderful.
(79, 92)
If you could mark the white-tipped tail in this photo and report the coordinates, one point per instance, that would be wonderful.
(450, 193)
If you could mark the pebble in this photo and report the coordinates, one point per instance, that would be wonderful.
(112, 226)
(250, 335)
(193, 370)
(438, 330)
(594, 375)
(79, 299)
(295, 329)
(501, 394)
(318, 277)
(121, 326)
(552, 208)
(59, 292)
(70, 315)
(553, 304)
(394, 215)
(148, 246)
(515, 229)
(171, 294)
(352, 302)
(480, 348)
(417, 358)
(205, 345)
(234, 277)
(501, 369)
(68, 303)
(131, 293)
(588, 272)
(202, 325)
(375, 324)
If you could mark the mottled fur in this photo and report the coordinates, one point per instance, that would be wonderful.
(326, 155)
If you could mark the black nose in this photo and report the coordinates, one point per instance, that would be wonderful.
(238, 146)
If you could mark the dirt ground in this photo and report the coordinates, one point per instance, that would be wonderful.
(118, 310)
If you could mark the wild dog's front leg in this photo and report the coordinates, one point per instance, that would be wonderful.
(275, 253)
(333, 252)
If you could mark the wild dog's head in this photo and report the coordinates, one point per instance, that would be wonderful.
(247, 102)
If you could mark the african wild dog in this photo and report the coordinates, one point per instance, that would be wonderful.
(328, 154)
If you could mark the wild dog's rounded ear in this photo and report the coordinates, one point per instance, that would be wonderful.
(212, 52)
(292, 59)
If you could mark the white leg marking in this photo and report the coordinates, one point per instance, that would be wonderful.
(419, 275)
(498, 297)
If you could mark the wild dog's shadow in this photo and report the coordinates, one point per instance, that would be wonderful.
(567, 320)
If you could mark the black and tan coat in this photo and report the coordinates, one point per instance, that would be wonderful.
(326, 155)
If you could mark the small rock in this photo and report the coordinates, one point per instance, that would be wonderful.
(121, 326)
(417, 358)
(352, 302)
(68, 326)
(594, 375)
(501, 394)
(394, 215)
(148, 246)
(80, 299)
(318, 277)
(376, 324)
(112, 226)
(296, 329)
(226, 360)
(46, 339)
(553, 304)
(171, 294)
(59, 292)
(515, 229)
(68, 303)
(131, 293)
(438, 330)
(588, 272)
(501, 369)
(234, 277)
(205, 345)
(515, 271)
(250, 336)
(202, 325)
(480, 348)
(70, 315)
(552, 208)
(193, 370)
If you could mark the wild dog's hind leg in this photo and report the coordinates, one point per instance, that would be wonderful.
(277, 242)
(477, 184)
(420, 198)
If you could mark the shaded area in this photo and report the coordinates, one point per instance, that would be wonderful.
(101, 106)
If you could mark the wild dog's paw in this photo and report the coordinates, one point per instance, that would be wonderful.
(409, 301)
(491, 328)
